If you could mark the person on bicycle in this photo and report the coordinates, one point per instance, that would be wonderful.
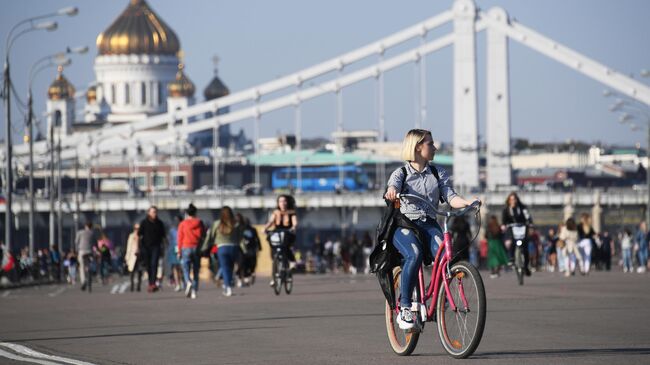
(85, 242)
(284, 217)
(417, 150)
(515, 212)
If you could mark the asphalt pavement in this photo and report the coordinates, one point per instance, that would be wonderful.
(603, 318)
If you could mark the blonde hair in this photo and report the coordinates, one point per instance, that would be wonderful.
(412, 139)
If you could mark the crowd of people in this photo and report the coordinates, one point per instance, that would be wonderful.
(155, 253)
(570, 248)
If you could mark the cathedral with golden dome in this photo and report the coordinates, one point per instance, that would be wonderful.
(139, 73)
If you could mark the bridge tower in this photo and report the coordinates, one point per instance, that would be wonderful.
(465, 102)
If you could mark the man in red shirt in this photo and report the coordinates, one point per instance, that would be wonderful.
(190, 235)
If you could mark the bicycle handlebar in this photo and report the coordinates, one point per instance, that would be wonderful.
(277, 230)
(475, 205)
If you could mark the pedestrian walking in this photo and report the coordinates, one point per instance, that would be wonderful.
(133, 257)
(569, 237)
(71, 265)
(641, 242)
(172, 257)
(190, 235)
(586, 241)
(462, 238)
(607, 250)
(497, 255)
(152, 238)
(250, 247)
(86, 242)
(626, 248)
(225, 235)
(551, 250)
(105, 258)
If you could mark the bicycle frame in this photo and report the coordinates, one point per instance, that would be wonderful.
(439, 273)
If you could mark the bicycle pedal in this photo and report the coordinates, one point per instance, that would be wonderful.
(417, 328)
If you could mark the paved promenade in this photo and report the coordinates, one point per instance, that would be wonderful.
(333, 319)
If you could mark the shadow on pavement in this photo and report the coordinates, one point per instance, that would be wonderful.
(562, 353)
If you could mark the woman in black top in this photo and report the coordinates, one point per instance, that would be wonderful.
(284, 217)
(516, 212)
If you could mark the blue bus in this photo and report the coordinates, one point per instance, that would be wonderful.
(324, 178)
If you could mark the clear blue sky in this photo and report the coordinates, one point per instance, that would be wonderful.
(258, 41)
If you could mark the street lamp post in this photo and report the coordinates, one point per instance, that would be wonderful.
(57, 59)
(59, 196)
(50, 26)
(50, 189)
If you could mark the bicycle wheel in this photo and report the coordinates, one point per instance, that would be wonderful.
(277, 277)
(401, 342)
(288, 282)
(460, 331)
(519, 265)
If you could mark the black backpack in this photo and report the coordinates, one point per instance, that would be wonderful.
(250, 242)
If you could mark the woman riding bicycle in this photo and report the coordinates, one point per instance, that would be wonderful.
(417, 150)
(284, 218)
(515, 212)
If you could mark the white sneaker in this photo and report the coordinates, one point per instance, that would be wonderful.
(188, 289)
(272, 283)
(405, 319)
(193, 294)
(227, 291)
(178, 287)
(239, 283)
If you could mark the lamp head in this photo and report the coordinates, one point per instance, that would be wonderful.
(49, 26)
(78, 50)
(69, 11)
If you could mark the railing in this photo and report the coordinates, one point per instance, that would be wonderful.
(114, 202)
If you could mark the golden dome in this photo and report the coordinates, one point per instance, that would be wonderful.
(182, 86)
(61, 88)
(138, 30)
(91, 95)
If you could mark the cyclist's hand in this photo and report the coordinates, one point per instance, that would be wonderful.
(391, 193)
(469, 203)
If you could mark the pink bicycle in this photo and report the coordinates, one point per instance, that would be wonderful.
(454, 298)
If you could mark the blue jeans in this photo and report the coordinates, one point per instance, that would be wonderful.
(227, 257)
(190, 256)
(627, 258)
(643, 254)
(411, 250)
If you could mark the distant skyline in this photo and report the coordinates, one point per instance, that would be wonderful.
(258, 41)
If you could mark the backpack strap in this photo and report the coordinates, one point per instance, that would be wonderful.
(403, 178)
(435, 173)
